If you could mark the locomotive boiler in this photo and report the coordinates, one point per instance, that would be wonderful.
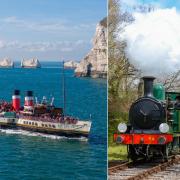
(153, 128)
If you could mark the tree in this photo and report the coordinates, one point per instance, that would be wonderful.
(119, 67)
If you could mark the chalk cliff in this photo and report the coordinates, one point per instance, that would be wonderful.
(94, 64)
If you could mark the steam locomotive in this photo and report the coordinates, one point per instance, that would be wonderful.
(153, 128)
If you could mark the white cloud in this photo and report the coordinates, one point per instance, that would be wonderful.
(129, 2)
(63, 46)
(46, 38)
(48, 25)
(2, 44)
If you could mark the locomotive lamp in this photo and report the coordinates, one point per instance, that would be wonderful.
(161, 140)
(119, 139)
(122, 127)
(164, 127)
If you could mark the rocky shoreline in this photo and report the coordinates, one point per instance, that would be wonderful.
(71, 65)
(94, 74)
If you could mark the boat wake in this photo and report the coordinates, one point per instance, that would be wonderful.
(37, 134)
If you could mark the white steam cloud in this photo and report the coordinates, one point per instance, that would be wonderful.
(153, 42)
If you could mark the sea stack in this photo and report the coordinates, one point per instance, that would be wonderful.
(6, 63)
(71, 64)
(30, 63)
(94, 64)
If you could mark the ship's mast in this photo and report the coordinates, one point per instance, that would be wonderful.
(64, 92)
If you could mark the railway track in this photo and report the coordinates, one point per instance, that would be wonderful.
(116, 162)
(147, 170)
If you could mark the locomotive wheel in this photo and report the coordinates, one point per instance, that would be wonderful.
(147, 152)
(132, 153)
(165, 152)
(175, 145)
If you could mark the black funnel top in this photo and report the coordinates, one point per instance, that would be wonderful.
(29, 93)
(16, 92)
(148, 86)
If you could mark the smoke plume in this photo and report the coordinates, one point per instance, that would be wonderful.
(153, 42)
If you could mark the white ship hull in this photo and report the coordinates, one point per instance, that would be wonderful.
(81, 128)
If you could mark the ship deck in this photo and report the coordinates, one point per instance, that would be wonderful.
(65, 119)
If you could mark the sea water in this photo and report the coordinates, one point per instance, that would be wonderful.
(25, 155)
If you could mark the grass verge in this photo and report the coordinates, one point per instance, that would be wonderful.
(118, 152)
(115, 151)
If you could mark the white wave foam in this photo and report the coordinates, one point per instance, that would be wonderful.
(37, 134)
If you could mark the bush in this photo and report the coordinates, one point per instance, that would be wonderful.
(114, 119)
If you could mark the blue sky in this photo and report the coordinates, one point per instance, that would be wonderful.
(157, 3)
(48, 29)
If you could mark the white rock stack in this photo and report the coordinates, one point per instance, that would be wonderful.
(6, 63)
(30, 63)
(71, 64)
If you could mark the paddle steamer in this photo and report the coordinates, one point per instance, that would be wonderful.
(41, 117)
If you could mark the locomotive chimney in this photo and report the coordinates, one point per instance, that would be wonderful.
(16, 100)
(148, 86)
